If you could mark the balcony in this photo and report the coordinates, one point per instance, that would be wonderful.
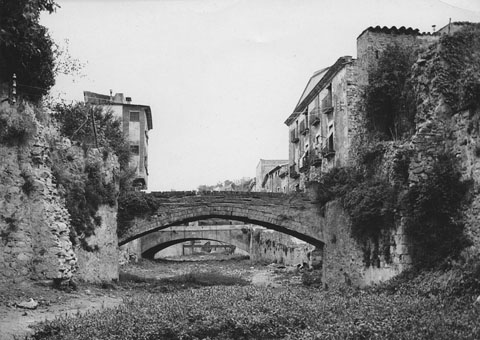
(293, 137)
(315, 120)
(327, 106)
(303, 164)
(303, 128)
(315, 160)
(293, 171)
(328, 151)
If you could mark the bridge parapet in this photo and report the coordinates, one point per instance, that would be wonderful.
(168, 194)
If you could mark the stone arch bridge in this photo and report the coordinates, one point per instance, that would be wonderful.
(237, 235)
(293, 214)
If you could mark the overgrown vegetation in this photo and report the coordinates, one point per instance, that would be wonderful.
(84, 192)
(433, 214)
(432, 209)
(368, 201)
(133, 204)
(76, 122)
(26, 47)
(193, 279)
(84, 185)
(17, 127)
(389, 97)
(251, 312)
(457, 73)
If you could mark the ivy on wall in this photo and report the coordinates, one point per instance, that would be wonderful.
(457, 72)
(389, 99)
(433, 213)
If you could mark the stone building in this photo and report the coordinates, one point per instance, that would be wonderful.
(276, 180)
(136, 122)
(328, 121)
(263, 167)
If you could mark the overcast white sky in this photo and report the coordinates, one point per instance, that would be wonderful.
(221, 76)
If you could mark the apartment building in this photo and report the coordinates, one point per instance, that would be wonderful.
(276, 180)
(136, 123)
(328, 119)
(263, 167)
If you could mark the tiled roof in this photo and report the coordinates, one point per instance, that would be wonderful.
(394, 30)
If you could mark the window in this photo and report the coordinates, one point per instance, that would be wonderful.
(135, 149)
(134, 116)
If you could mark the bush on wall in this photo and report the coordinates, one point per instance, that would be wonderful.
(87, 189)
(389, 101)
(133, 204)
(75, 122)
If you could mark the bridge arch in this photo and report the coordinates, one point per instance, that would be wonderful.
(150, 253)
(296, 215)
(236, 235)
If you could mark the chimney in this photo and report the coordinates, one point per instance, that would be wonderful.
(118, 98)
(128, 99)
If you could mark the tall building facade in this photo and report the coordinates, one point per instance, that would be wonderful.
(328, 120)
(136, 123)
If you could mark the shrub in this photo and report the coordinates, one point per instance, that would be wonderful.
(133, 204)
(433, 214)
(76, 123)
(84, 193)
(370, 206)
(336, 183)
(369, 202)
(16, 127)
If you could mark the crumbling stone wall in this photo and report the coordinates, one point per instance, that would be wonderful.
(34, 224)
(274, 247)
(101, 264)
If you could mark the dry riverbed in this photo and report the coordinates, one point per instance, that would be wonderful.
(46, 303)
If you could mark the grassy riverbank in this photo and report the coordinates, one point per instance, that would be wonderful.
(433, 305)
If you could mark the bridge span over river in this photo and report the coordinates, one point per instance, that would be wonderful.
(293, 214)
(297, 214)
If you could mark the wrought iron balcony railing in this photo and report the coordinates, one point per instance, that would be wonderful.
(327, 106)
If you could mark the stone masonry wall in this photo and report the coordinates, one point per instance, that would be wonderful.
(271, 246)
(102, 263)
(34, 224)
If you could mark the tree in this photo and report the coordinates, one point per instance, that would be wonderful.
(26, 46)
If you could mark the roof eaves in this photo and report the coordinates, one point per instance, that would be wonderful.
(332, 71)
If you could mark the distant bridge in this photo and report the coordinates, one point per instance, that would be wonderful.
(293, 214)
(236, 235)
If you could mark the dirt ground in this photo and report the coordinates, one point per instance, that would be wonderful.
(15, 322)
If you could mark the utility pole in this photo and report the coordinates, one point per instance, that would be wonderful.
(94, 127)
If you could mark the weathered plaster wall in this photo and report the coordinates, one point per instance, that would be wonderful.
(101, 264)
(130, 252)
